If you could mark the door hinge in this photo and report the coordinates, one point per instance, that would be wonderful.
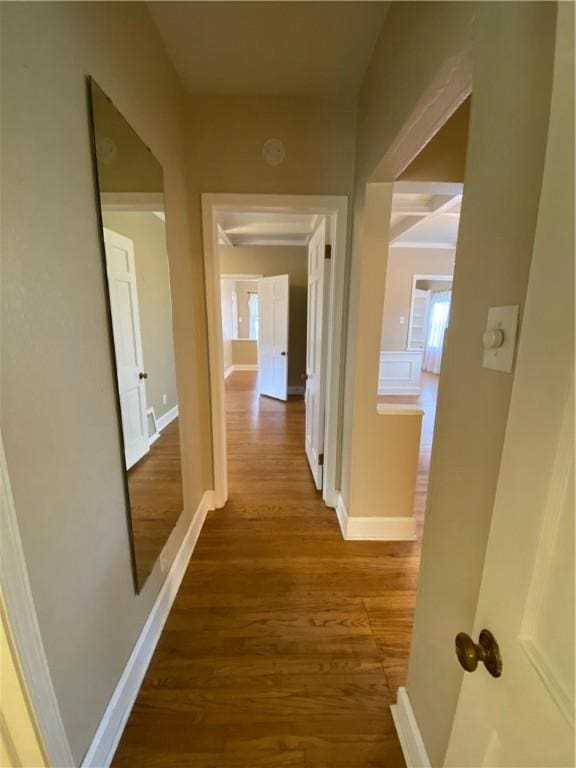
(327, 251)
(321, 460)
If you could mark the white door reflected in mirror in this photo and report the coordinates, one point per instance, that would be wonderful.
(123, 291)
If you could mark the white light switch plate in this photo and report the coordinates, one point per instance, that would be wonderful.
(506, 320)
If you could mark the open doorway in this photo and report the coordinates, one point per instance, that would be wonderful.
(240, 322)
(275, 282)
(424, 223)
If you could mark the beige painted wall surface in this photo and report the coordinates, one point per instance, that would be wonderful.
(148, 233)
(512, 58)
(278, 260)
(245, 352)
(403, 264)
(445, 156)
(226, 291)
(58, 398)
(226, 134)
(384, 459)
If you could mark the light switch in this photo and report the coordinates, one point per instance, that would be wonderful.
(499, 339)
(402, 319)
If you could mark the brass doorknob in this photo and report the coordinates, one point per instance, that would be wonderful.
(486, 650)
(142, 375)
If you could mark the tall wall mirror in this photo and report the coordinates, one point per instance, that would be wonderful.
(131, 198)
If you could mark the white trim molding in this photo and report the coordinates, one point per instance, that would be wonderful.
(398, 409)
(374, 528)
(296, 389)
(109, 732)
(163, 421)
(23, 621)
(133, 201)
(413, 747)
(240, 367)
(156, 434)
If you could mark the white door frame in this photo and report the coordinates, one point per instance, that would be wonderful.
(335, 208)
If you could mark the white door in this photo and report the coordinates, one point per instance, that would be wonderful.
(127, 344)
(318, 279)
(526, 716)
(273, 336)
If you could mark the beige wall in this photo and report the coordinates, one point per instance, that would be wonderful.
(226, 134)
(148, 233)
(512, 71)
(444, 157)
(403, 264)
(245, 352)
(278, 260)
(58, 390)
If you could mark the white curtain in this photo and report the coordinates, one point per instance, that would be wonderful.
(438, 317)
(254, 314)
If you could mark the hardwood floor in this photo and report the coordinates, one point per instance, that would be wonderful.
(156, 500)
(285, 644)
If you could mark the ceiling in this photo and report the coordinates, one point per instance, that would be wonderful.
(425, 215)
(270, 47)
(265, 228)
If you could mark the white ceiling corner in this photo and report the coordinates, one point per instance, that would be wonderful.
(425, 215)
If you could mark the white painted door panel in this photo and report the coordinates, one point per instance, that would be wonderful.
(274, 293)
(318, 277)
(123, 292)
(525, 718)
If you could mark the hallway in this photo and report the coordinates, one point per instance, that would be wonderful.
(285, 645)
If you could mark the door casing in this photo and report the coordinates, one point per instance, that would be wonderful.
(335, 209)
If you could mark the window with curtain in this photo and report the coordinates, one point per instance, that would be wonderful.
(253, 315)
(438, 317)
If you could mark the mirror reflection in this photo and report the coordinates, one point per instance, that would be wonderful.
(132, 205)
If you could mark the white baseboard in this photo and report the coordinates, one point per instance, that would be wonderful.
(163, 421)
(413, 747)
(245, 367)
(228, 371)
(114, 720)
(374, 528)
(296, 389)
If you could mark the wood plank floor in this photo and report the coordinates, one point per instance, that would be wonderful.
(285, 644)
(156, 500)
